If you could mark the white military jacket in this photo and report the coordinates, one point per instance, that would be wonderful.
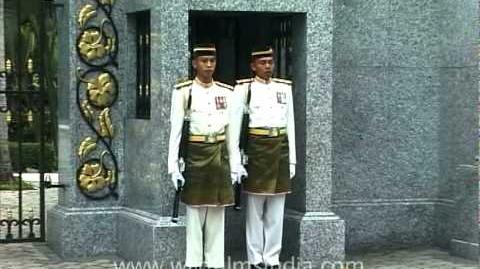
(271, 105)
(210, 113)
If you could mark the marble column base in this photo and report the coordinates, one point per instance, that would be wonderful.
(138, 236)
(134, 235)
(313, 238)
(143, 236)
(468, 250)
(75, 233)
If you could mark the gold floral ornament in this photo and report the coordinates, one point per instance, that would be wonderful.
(105, 121)
(102, 90)
(94, 176)
(86, 13)
(97, 90)
(94, 45)
(87, 110)
(88, 145)
(110, 44)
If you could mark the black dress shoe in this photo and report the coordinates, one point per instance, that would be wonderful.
(257, 266)
(272, 267)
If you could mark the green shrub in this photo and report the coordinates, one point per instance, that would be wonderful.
(31, 156)
(12, 185)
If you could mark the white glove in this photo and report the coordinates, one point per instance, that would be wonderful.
(234, 177)
(241, 171)
(292, 170)
(237, 174)
(177, 176)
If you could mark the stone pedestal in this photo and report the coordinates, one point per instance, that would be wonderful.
(314, 238)
(82, 233)
(144, 236)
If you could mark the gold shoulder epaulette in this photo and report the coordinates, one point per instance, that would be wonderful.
(224, 85)
(285, 81)
(183, 84)
(246, 80)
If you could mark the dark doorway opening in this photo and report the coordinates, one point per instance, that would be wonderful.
(236, 33)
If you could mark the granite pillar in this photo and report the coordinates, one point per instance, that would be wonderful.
(78, 226)
(149, 193)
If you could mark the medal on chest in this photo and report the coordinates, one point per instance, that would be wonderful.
(281, 98)
(220, 102)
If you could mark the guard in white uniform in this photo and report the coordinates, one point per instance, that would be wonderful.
(206, 177)
(270, 148)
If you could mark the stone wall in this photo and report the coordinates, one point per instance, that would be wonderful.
(404, 118)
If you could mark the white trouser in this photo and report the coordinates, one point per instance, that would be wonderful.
(264, 228)
(208, 223)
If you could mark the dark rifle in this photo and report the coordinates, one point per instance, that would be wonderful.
(176, 202)
(238, 196)
(182, 156)
(243, 147)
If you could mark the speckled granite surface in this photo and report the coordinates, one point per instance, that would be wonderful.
(385, 108)
(404, 118)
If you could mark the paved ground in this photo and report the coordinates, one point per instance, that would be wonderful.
(37, 255)
(419, 258)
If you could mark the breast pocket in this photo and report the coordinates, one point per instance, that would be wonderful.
(200, 105)
(282, 109)
(257, 103)
(221, 116)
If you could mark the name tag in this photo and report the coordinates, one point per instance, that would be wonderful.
(281, 98)
(221, 102)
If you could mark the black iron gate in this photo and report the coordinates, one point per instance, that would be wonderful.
(27, 125)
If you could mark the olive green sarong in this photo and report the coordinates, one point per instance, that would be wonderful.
(268, 165)
(207, 175)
